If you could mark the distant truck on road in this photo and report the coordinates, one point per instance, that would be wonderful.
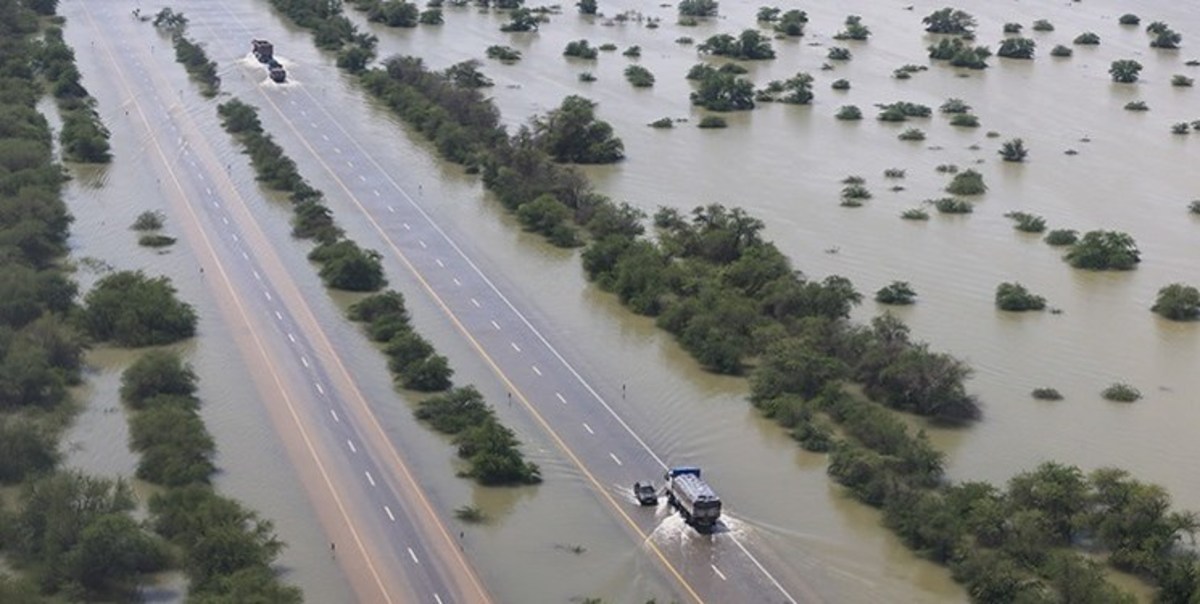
(264, 52)
(695, 500)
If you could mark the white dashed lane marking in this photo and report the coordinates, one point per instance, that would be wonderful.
(588, 428)
(475, 302)
(292, 338)
(457, 282)
(325, 137)
(335, 416)
(614, 458)
(496, 325)
(370, 479)
(321, 389)
(304, 361)
(375, 191)
(406, 227)
(336, 150)
(391, 209)
(350, 444)
(267, 294)
(422, 242)
(536, 370)
(414, 556)
(350, 163)
(560, 398)
(278, 315)
(439, 262)
(389, 513)
(515, 347)
(718, 571)
(257, 276)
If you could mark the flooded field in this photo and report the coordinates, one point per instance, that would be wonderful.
(784, 165)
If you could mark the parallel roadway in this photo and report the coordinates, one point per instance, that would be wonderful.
(391, 543)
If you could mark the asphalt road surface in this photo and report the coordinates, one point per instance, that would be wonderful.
(391, 543)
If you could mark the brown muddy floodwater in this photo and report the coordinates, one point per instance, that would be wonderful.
(783, 164)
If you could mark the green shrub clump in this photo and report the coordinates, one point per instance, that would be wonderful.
(410, 357)
(131, 309)
(967, 182)
(713, 121)
(1104, 250)
(840, 84)
(1178, 302)
(1137, 106)
(849, 113)
(1087, 39)
(504, 54)
(912, 134)
(1014, 297)
(914, 214)
(1059, 237)
(1121, 393)
(663, 122)
(1047, 394)
(580, 49)
(1061, 51)
(639, 76)
(965, 120)
(950, 205)
(1027, 223)
(490, 449)
(897, 293)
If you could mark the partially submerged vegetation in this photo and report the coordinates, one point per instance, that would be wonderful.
(344, 265)
(489, 448)
(191, 55)
(83, 136)
(1104, 250)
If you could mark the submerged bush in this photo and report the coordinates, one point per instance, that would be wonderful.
(1014, 297)
(149, 221)
(964, 120)
(1104, 250)
(1121, 393)
(912, 134)
(1181, 81)
(639, 76)
(849, 113)
(896, 292)
(1059, 237)
(914, 214)
(950, 205)
(713, 121)
(580, 49)
(1013, 150)
(840, 84)
(953, 105)
(1047, 394)
(664, 122)
(1061, 51)
(967, 182)
(1137, 106)
(1028, 223)
(1087, 39)
(504, 54)
(1178, 302)
(838, 53)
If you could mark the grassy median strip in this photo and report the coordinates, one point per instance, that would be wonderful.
(191, 55)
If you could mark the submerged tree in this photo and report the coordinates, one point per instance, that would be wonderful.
(949, 21)
(1104, 250)
(1178, 302)
(1125, 71)
(1013, 150)
(573, 134)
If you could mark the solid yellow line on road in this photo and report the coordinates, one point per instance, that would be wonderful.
(486, 357)
(210, 250)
